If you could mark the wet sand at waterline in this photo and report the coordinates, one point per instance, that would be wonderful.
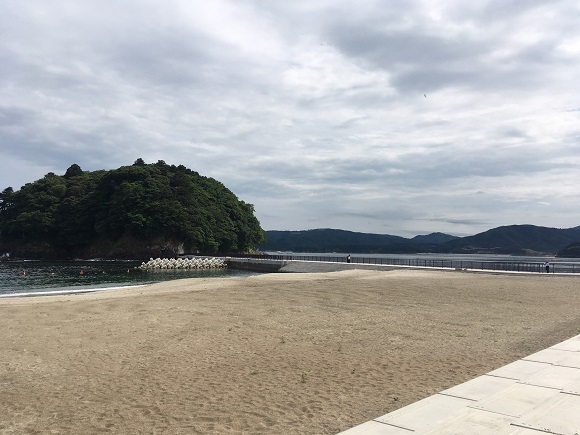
(269, 354)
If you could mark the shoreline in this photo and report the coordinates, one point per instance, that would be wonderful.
(287, 353)
(294, 267)
(49, 279)
(66, 292)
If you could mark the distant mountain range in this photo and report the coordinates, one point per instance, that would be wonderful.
(512, 239)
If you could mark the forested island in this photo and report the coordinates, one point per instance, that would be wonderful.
(131, 212)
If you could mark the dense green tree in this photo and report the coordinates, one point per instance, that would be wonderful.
(135, 208)
(6, 199)
(73, 171)
(570, 251)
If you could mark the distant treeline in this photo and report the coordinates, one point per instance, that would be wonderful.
(512, 239)
(133, 211)
(570, 251)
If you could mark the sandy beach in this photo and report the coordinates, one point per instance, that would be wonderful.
(268, 354)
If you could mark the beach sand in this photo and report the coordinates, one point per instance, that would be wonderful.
(269, 354)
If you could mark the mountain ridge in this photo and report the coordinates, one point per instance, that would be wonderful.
(511, 239)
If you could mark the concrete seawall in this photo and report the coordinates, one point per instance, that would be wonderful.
(305, 266)
(298, 266)
(256, 265)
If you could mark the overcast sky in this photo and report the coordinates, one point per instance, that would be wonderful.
(391, 117)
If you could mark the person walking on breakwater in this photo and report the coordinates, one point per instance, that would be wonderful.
(348, 258)
(547, 265)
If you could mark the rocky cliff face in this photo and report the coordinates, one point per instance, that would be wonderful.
(124, 249)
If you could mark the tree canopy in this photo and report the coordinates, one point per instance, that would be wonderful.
(570, 251)
(124, 212)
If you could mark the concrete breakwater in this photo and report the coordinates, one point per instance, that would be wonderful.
(213, 263)
(253, 264)
(184, 263)
(256, 265)
(297, 266)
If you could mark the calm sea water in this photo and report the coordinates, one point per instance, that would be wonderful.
(41, 276)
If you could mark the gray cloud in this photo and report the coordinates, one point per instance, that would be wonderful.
(313, 110)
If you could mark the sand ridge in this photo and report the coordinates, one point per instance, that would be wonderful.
(277, 353)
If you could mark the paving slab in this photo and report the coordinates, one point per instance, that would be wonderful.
(555, 377)
(479, 388)
(573, 388)
(572, 344)
(572, 359)
(515, 430)
(375, 428)
(425, 414)
(475, 422)
(520, 370)
(517, 400)
(558, 415)
(550, 356)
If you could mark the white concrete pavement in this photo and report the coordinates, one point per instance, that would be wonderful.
(537, 394)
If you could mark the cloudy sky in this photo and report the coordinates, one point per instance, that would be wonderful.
(392, 117)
